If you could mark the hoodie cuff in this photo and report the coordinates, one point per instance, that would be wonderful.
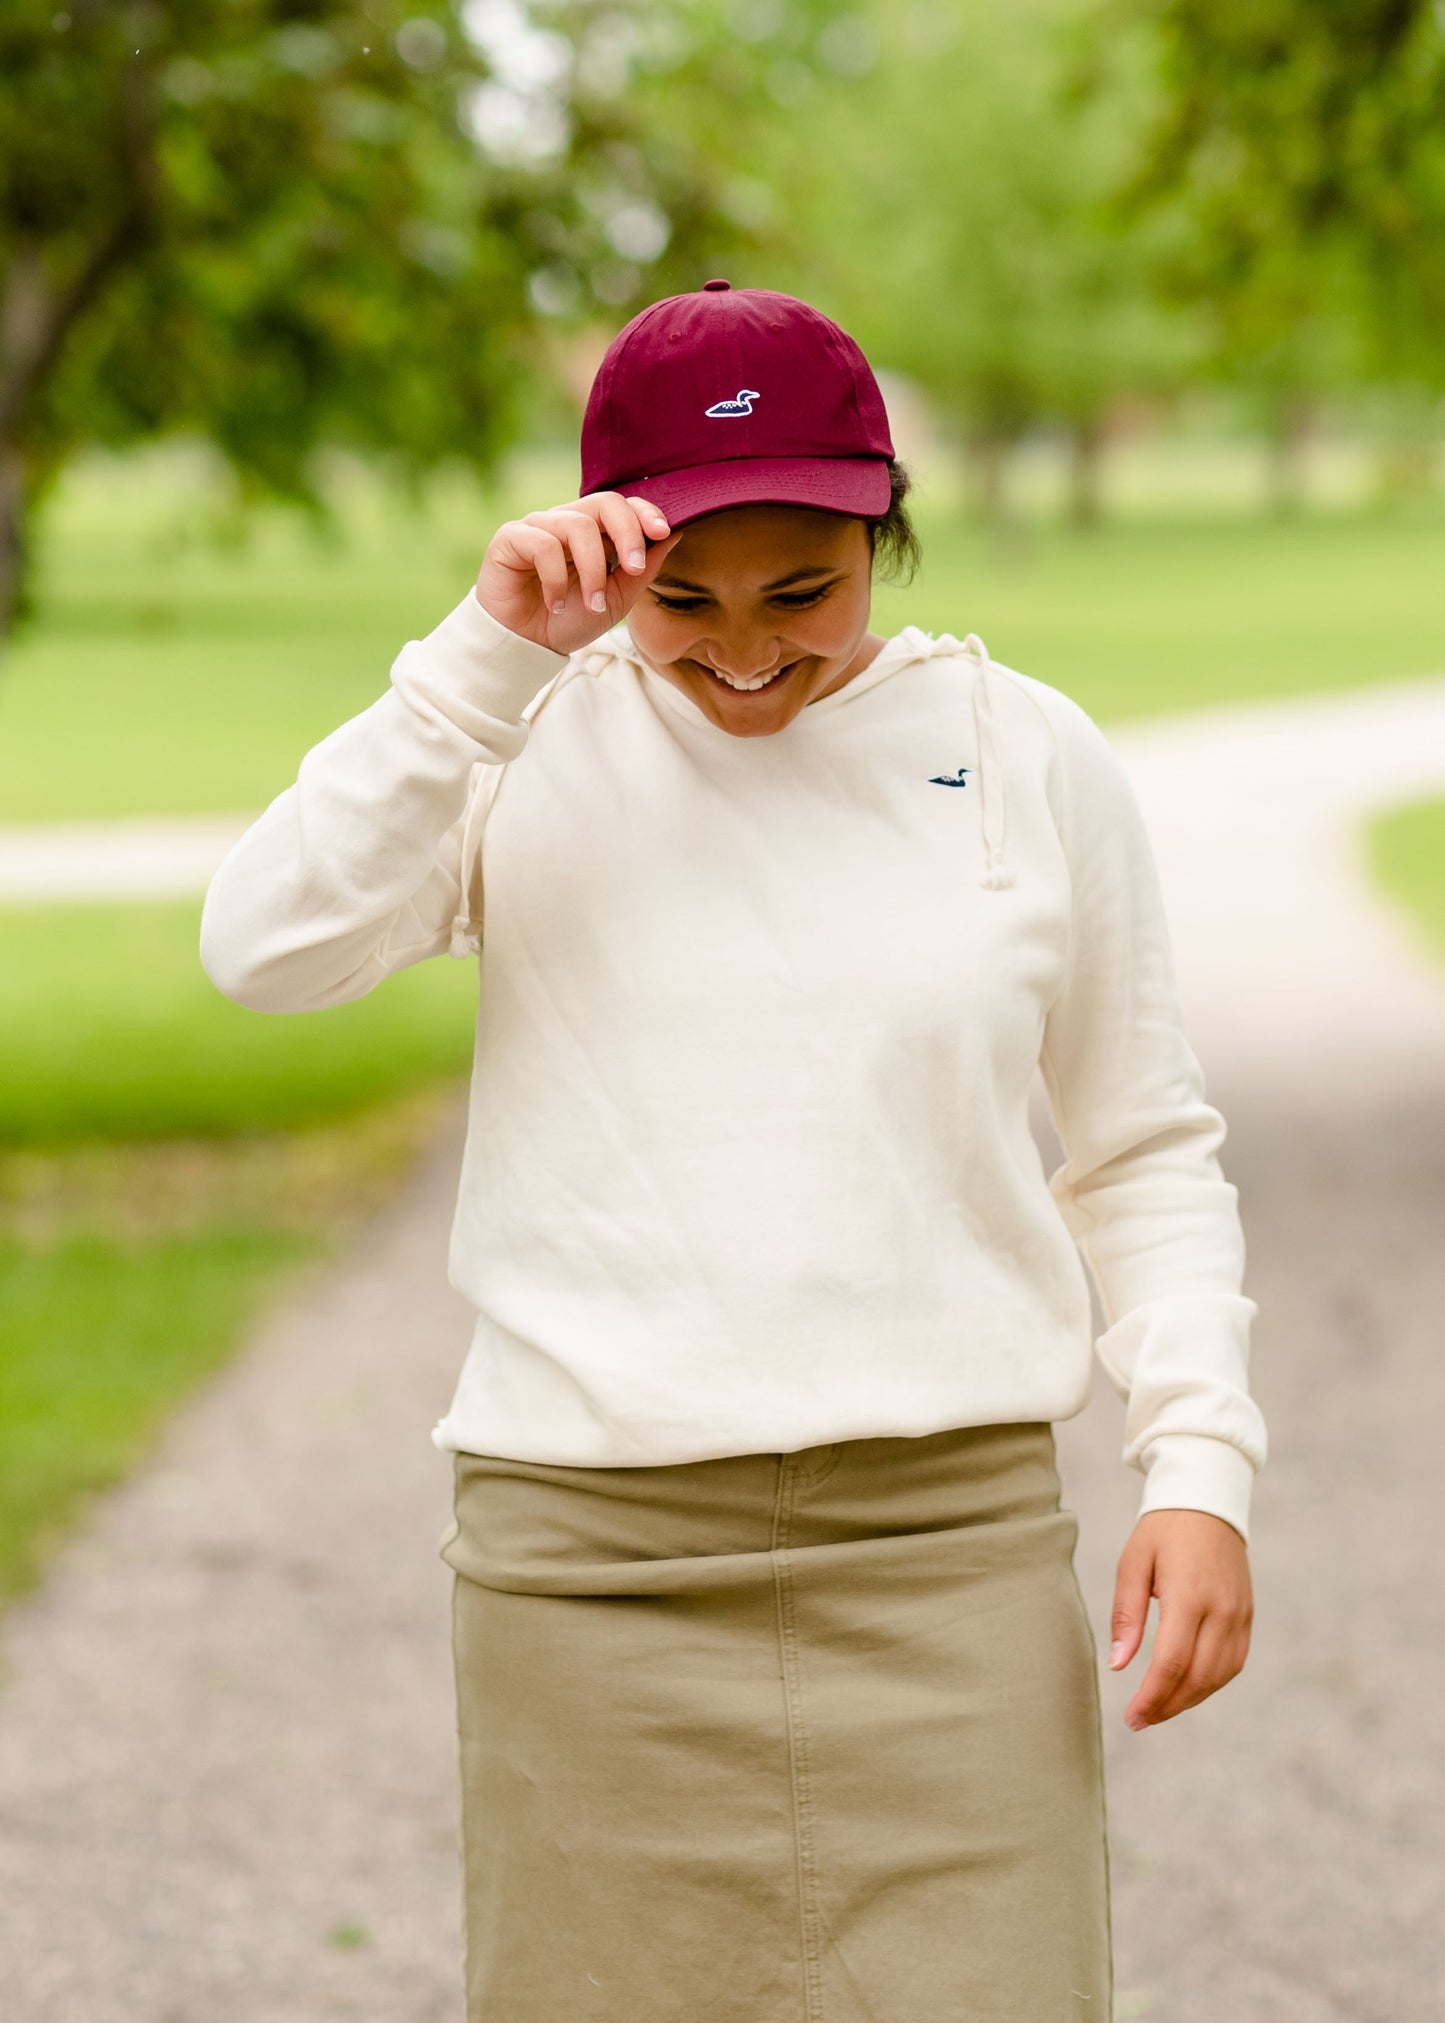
(477, 674)
(1193, 1471)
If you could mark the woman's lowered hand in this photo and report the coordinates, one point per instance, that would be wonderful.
(1198, 1567)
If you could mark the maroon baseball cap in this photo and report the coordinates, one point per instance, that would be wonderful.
(736, 397)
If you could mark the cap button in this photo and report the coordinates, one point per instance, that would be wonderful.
(717, 284)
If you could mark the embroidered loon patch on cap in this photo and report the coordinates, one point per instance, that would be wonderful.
(742, 404)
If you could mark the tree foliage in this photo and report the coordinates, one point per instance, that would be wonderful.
(285, 223)
(1305, 142)
(248, 219)
(955, 202)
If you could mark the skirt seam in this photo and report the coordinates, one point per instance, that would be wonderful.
(803, 1849)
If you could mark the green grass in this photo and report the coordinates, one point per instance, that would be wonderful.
(113, 1030)
(130, 1271)
(1144, 618)
(168, 1161)
(101, 1337)
(1407, 855)
(165, 676)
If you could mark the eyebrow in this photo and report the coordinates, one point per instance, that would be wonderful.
(779, 583)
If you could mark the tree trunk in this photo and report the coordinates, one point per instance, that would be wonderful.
(37, 315)
(1405, 469)
(12, 538)
(987, 470)
(26, 311)
(1288, 439)
(1086, 469)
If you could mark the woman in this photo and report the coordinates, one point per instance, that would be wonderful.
(777, 1697)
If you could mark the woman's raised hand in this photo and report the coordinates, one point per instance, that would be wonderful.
(565, 576)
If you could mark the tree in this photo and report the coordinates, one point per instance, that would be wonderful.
(952, 205)
(1302, 145)
(250, 219)
(286, 223)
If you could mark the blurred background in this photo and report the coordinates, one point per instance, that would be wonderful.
(298, 300)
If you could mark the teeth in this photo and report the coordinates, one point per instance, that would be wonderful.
(761, 681)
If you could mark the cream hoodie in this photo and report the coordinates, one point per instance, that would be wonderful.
(749, 1165)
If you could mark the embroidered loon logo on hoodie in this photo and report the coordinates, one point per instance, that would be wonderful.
(950, 779)
(743, 404)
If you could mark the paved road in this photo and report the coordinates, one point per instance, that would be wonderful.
(226, 1775)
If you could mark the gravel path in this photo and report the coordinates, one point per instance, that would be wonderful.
(226, 1773)
(145, 857)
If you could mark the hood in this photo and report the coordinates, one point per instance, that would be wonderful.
(911, 645)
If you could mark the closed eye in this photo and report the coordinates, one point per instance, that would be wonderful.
(791, 600)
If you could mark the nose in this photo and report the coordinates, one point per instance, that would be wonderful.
(741, 658)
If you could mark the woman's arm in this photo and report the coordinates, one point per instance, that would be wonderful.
(1141, 1187)
(355, 871)
(1143, 1194)
(359, 868)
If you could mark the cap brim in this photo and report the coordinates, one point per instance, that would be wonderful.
(853, 485)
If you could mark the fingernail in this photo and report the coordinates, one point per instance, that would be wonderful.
(637, 559)
(598, 600)
(560, 605)
(661, 521)
(1116, 1651)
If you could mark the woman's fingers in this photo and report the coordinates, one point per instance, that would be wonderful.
(1132, 1589)
(604, 525)
(1169, 1664)
(1198, 1566)
(539, 549)
(1214, 1661)
(652, 521)
(656, 555)
(581, 537)
(1197, 1650)
(630, 523)
(563, 575)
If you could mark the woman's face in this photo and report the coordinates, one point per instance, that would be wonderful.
(753, 592)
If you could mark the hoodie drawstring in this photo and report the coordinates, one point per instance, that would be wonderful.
(466, 935)
(997, 873)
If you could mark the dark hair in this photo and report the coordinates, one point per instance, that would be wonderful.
(895, 543)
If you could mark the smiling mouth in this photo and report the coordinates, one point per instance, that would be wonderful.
(752, 687)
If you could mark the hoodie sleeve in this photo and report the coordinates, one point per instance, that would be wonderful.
(364, 865)
(1141, 1189)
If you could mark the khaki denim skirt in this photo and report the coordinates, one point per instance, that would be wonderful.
(806, 1737)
